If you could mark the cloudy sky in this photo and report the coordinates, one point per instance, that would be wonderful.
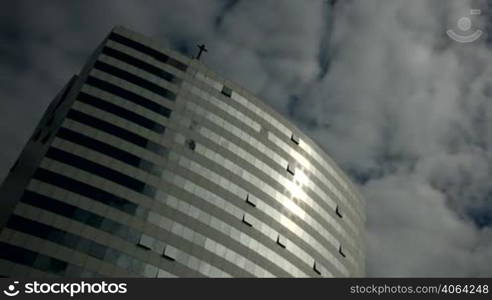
(405, 110)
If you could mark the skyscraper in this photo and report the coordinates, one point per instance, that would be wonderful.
(148, 164)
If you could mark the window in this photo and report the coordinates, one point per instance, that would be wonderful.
(129, 96)
(340, 250)
(107, 127)
(291, 169)
(49, 264)
(146, 242)
(149, 51)
(170, 253)
(338, 212)
(281, 241)
(58, 236)
(96, 250)
(17, 254)
(316, 268)
(111, 151)
(295, 139)
(226, 91)
(139, 81)
(116, 131)
(247, 220)
(95, 168)
(140, 64)
(251, 200)
(120, 112)
(86, 190)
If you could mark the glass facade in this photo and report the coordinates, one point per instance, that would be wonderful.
(148, 164)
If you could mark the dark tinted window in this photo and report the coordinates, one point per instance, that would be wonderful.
(129, 96)
(72, 241)
(95, 168)
(114, 152)
(107, 127)
(147, 50)
(56, 235)
(141, 64)
(49, 264)
(80, 215)
(116, 131)
(86, 141)
(137, 80)
(121, 112)
(85, 190)
(17, 254)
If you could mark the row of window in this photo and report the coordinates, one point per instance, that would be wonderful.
(96, 170)
(226, 205)
(264, 149)
(88, 191)
(328, 193)
(109, 150)
(116, 131)
(276, 237)
(137, 80)
(219, 247)
(275, 214)
(76, 242)
(22, 256)
(122, 231)
(70, 188)
(257, 163)
(202, 214)
(141, 64)
(275, 123)
(295, 139)
(75, 162)
(149, 51)
(91, 219)
(235, 113)
(100, 170)
(69, 211)
(128, 95)
(121, 112)
(81, 215)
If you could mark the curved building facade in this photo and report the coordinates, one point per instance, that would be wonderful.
(148, 164)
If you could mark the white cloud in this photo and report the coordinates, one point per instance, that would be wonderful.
(399, 104)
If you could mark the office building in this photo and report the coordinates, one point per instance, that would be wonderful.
(147, 164)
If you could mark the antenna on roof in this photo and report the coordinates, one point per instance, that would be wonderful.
(201, 48)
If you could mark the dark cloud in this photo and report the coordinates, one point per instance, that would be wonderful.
(377, 83)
